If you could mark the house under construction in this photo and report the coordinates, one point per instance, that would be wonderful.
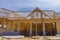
(30, 23)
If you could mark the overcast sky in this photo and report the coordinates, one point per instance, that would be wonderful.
(26, 5)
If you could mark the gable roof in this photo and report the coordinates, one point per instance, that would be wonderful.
(37, 10)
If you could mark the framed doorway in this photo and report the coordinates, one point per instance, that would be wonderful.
(36, 29)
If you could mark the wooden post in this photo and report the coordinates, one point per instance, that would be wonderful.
(36, 29)
(43, 28)
(13, 25)
(18, 27)
(9, 25)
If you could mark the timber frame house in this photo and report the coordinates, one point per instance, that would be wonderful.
(37, 22)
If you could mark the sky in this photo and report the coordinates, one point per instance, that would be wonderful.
(28, 5)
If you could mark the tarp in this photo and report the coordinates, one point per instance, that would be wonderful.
(10, 33)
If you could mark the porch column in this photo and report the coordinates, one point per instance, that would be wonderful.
(43, 23)
(30, 29)
(43, 29)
